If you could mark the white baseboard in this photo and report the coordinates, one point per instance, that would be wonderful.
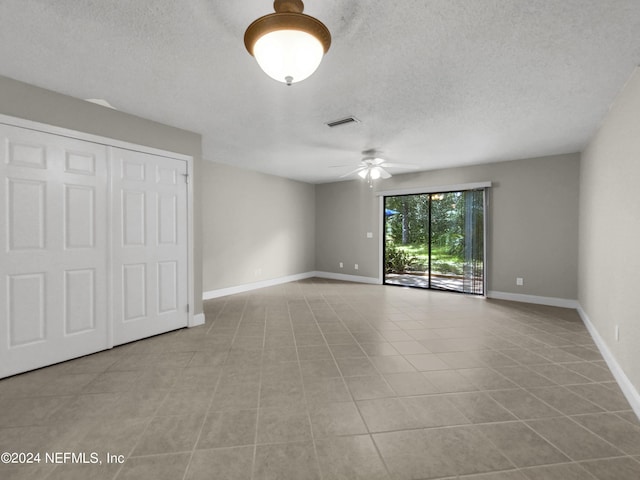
(630, 392)
(223, 292)
(198, 319)
(247, 287)
(347, 278)
(550, 301)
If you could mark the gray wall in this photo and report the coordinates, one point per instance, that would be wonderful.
(25, 101)
(533, 222)
(345, 212)
(610, 229)
(256, 227)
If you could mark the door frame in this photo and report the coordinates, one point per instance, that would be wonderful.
(433, 189)
(192, 319)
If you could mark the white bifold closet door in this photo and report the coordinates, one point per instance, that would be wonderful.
(93, 247)
(53, 287)
(149, 244)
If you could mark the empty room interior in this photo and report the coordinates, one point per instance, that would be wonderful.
(323, 240)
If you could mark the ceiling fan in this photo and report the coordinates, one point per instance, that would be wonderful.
(373, 167)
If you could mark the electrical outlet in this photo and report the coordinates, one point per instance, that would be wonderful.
(341, 265)
(356, 267)
(519, 281)
(369, 234)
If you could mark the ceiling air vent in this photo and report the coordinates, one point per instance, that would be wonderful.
(343, 121)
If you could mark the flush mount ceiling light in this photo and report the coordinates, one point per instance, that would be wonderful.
(288, 44)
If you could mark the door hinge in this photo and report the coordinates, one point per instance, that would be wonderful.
(186, 178)
(187, 308)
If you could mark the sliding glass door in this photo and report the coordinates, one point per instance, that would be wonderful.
(435, 240)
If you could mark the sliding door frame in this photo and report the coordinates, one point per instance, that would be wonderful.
(484, 186)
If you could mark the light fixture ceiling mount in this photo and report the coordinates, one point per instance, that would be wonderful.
(288, 45)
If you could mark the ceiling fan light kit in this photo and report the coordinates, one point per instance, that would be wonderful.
(288, 45)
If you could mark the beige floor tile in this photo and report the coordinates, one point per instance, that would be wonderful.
(356, 367)
(558, 374)
(524, 377)
(197, 378)
(116, 436)
(139, 404)
(175, 433)
(439, 452)
(583, 352)
(426, 362)
(346, 351)
(522, 445)
(629, 416)
(574, 440)
(409, 347)
(186, 401)
(224, 463)
(279, 425)
(523, 404)
(613, 469)
(613, 429)
(319, 368)
(111, 382)
(325, 390)
(457, 360)
(486, 379)
(274, 372)
(282, 393)
(311, 367)
(590, 370)
(602, 396)
(411, 455)
(386, 414)
(229, 428)
(362, 388)
(504, 475)
(409, 383)
(566, 471)
(424, 334)
(448, 381)
(392, 364)
(156, 467)
(564, 400)
(433, 411)
(235, 396)
(378, 348)
(83, 471)
(338, 418)
(319, 352)
(286, 461)
(350, 458)
(26, 411)
(479, 407)
(310, 339)
(525, 356)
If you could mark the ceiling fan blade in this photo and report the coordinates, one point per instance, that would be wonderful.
(398, 165)
(359, 169)
(384, 174)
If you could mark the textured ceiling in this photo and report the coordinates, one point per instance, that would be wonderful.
(435, 83)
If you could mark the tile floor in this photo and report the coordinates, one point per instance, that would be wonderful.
(328, 380)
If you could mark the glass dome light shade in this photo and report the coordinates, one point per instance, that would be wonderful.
(288, 56)
(288, 44)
